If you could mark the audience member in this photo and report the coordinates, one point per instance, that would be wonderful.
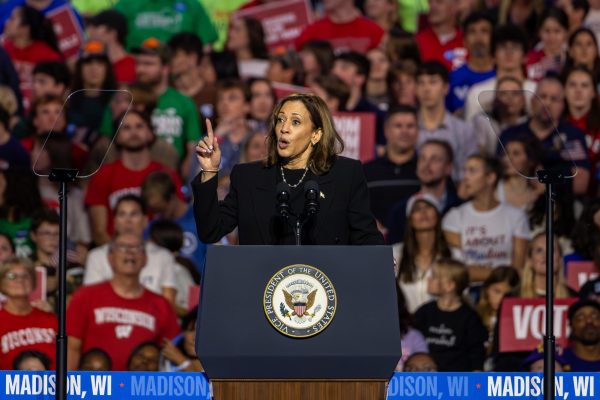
(376, 88)
(181, 356)
(44, 233)
(583, 354)
(535, 360)
(403, 83)
(332, 90)
(317, 59)
(394, 175)
(549, 55)
(412, 339)
(110, 28)
(344, 27)
(423, 245)
(383, 12)
(435, 122)
(586, 235)
(7, 247)
(246, 39)
(544, 125)
(31, 360)
(509, 48)
(12, 153)
(420, 362)
(434, 169)
(583, 50)
(158, 274)
(123, 176)
(533, 277)
(488, 233)
(23, 327)
(453, 331)
(95, 360)
(442, 40)
(144, 358)
(477, 28)
(118, 315)
(285, 68)
(262, 100)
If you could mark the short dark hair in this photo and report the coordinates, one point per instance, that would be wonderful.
(9, 240)
(96, 351)
(581, 5)
(434, 68)
(557, 14)
(401, 109)
(323, 52)
(167, 234)
(161, 182)
(114, 20)
(334, 87)
(42, 357)
(509, 34)
(231, 84)
(444, 145)
(359, 60)
(188, 43)
(477, 16)
(58, 70)
(132, 198)
(42, 215)
(491, 165)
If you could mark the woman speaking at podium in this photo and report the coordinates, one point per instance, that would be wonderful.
(267, 198)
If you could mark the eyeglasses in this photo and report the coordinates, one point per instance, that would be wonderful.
(13, 276)
(126, 248)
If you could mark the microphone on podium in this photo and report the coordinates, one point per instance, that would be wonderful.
(283, 200)
(311, 198)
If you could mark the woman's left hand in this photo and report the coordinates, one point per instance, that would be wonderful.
(172, 353)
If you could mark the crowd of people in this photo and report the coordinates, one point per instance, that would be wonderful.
(470, 99)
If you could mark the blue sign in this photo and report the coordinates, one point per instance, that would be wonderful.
(22, 385)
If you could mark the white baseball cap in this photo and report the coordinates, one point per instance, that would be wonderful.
(421, 196)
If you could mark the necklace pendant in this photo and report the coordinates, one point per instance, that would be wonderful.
(296, 184)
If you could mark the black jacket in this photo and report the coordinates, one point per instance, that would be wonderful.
(344, 218)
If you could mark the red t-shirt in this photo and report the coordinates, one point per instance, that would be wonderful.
(592, 139)
(360, 34)
(24, 59)
(452, 53)
(34, 331)
(114, 180)
(124, 69)
(101, 318)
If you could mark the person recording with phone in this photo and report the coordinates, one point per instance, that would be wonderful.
(304, 192)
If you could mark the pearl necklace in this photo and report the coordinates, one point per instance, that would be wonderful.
(299, 182)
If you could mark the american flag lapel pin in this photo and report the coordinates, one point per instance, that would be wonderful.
(322, 195)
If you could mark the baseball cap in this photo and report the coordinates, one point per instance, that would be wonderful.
(153, 46)
(538, 354)
(93, 49)
(421, 196)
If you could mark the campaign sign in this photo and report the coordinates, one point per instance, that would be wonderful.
(522, 323)
(358, 132)
(579, 272)
(21, 385)
(193, 296)
(67, 30)
(282, 21)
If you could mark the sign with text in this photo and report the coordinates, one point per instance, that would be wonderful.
(282, 21)
(580, 272)
(522, 323)
(26, 385)
(193, 296)
(358, 132)
(67, 30)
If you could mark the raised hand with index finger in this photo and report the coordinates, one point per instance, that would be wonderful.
(208, 153)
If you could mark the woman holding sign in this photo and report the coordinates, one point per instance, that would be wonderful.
(302, 146)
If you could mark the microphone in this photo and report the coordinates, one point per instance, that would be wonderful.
(311, 198)
(283, 200)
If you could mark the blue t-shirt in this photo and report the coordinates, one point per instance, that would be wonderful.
(461, 81)
(192, 247)
(564, 151)
(7, 8)
(13, 155)
(579, 365)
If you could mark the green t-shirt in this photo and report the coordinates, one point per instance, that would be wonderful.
(408, 13)
(92, 7)
(18, 231)
(164, 18)
(220, 11)
(175, 119)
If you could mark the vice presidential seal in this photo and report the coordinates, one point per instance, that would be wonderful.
(300, 301)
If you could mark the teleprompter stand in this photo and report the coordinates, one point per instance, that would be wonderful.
(63, 176)
(550, 178)
(246, 358)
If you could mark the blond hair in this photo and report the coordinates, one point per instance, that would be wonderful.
(456, 271)
(528, 276)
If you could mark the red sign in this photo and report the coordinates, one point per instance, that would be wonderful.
(522, 323)
(358, 132)
(193, 296)
(67, 30)
(39, 292)
(282, 21)
(579, 272)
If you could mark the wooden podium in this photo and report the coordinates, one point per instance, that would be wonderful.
(299, 390)
(245, 357)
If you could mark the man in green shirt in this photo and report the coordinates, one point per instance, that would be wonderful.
(175, 117)
(164, 18)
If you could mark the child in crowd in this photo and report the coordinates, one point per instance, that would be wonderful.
(453, 330)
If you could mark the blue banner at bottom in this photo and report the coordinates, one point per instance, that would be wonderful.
(21, 385)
